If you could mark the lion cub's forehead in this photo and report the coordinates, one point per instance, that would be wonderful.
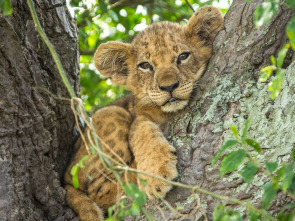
(160, 39)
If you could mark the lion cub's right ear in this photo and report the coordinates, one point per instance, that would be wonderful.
(204, 25)
(110, 59)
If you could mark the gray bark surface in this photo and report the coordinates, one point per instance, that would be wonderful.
(228, 93)
(36, 130)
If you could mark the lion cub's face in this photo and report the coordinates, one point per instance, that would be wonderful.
(163, 62)
(166, 65)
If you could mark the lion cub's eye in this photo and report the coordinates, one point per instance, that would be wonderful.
(145, 66)
(182, 57)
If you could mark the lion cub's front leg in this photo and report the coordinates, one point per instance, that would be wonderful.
(153, 154)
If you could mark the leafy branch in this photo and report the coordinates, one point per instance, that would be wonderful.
(283, 180)
(263, 15)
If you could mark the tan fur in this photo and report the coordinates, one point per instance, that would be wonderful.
(131, 125)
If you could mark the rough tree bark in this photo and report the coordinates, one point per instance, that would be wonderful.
(36, 130)
(229, 93)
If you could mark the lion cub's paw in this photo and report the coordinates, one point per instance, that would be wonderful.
(165, 168)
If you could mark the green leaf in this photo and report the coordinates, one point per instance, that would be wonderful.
(276, 84)
(143, 181)
(265, 11)
(80, 164)
(110, 211)
(266, 72)
(75, 170)
(225, 214)
(254, 144)
(137, 195)
(249, 171)
(264, 76)
(268, 195)
(228, 144)
(232, 161)
(113, 15)
(235, 131)
(245, 130)
(282, 54)
(75, 181)
(134, 209)
(287, 177)
(273, 60)
(254, 216)
(102, 5)
(291, 31)
(271, 166)
(74, 173)
(268, 68)
(293, 154)
(291, 4)
(5, 7)
(292, 186)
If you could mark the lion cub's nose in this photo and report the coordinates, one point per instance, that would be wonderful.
(169, 88)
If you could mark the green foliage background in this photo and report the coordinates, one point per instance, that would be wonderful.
(100, 21)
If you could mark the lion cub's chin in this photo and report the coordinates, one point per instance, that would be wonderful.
(174, 106)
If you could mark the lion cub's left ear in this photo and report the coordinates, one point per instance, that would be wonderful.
(205, 24)
(111, 60)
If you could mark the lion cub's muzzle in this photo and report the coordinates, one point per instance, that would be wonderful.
(173, 97)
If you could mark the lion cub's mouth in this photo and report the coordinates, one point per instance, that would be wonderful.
(171, 100)
(174, 104)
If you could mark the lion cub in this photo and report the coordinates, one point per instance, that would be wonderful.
(160, 68)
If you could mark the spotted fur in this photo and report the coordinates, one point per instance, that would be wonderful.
(160, 68)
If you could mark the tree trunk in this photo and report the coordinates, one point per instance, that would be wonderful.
(228, 93)
(36, 130)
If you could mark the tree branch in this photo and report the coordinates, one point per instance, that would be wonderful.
(201, 190)
(189, 4)
(87, 52)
